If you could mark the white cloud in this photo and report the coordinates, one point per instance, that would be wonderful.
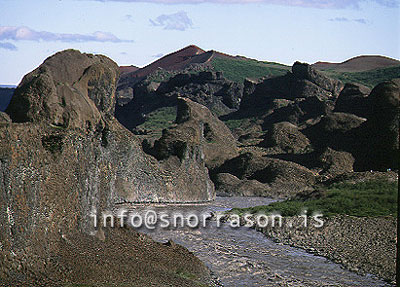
(177, 21)
(8, 46)
(25, 33)
(328, 4)
(344, 19)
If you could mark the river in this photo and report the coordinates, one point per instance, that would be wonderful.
(244, 257)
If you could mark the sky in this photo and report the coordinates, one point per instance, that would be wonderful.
(137, 32)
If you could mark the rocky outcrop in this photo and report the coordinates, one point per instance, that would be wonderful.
(297, 112)
(227, 184)
(334, 163)
(307, 72)
(353, 99)
(302, 82)
(198, 134)
(335, 130)
(210, 89)
(65, 157)
(57, 92)
(282, 178)
(286, 137)
(379, 136)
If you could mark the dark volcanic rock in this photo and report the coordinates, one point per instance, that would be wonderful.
(379, 136)
(297, 112)
(353, 99)
(334, 130)
(283, 178)
(199, 132)
(287, 137)
(72, 159)
(307, 72)
(227, 184)
(303, 82)
(309, 93)
(210, 89)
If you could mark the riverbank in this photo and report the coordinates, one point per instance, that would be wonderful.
(365, 245)
(359, 229)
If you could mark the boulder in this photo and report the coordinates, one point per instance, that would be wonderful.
(198, 134)
(298, 111)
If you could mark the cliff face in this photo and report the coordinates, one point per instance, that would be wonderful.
(65, 156)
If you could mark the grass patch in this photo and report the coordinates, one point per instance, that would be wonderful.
(372, 198)
(368, 78)
(233, 124)
(159, 119)
(238, 69)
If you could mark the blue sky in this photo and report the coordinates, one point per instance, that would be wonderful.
(138, 32)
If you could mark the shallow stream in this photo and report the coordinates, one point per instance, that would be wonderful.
(244, 257)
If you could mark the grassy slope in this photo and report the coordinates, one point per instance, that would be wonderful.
(368, 78)
(372, 198)
(238, 69)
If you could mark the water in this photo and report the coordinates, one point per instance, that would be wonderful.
(244, 257)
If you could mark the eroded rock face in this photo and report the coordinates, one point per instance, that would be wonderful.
(198, 132)
(227, 184)
(67, 157)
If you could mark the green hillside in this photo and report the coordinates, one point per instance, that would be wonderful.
(238, 69)
(368, 78)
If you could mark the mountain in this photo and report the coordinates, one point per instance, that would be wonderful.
(193, 58)
(358, 64)
(175, 61)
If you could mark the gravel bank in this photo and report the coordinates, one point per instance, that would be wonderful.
(363, 245)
